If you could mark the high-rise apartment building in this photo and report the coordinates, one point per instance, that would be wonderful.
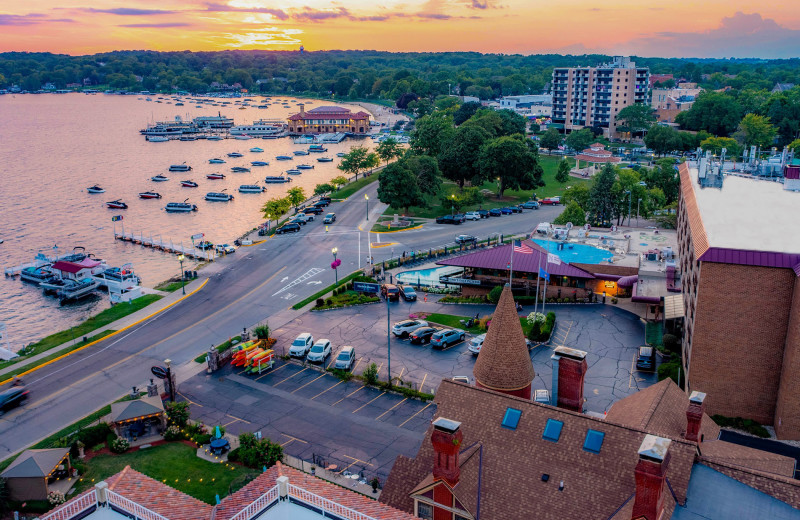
(593, 96)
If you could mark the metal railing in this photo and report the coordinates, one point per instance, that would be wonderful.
(73, 508)
(132, 507)
(259, 505)
(325, 505)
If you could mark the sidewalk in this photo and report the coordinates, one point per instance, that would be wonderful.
(119, 325)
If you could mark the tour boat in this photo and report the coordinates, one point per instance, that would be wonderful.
(305, 166)
(159, 178)
(218, 196)
(95, 189)
(240, 169)
(261, 128)
(117, 204)
(180, 168)
(215, 176)
(180, 207)
(251, 188)
(300, 152)
(216, 161)
(235, 154)
(283, 158)
(324, 159)
(256, 149)
(276, 179)
(149, 195)
(317, 148)
(293, 172)
(189, 184)
(259, 163)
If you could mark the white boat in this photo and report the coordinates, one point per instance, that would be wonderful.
(214, 138)
(180, 168)
(37, 275)
(157, 139)
(180, 207)
(242, 137)
(213, 122)
(216, 161)
(235, 154)
(168, 128)
(215, 196)
(76, 289)
(251, 188)
(256, 149)
(261, 127)
(118, 278)
(95, 189)
(271, 179)
(305, 166)
(293, 172)
(159, 178)
(300, 152)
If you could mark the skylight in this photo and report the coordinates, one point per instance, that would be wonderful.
(552, 430)
(594, 441)
(511, 418)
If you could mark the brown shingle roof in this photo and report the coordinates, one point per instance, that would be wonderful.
(513, 461)
(504, 362)
(156, 496)
(745, 457)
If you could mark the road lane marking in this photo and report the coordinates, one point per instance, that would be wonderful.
(355, 461)
(272, 371)
(416, 414)
(392, 408)
(237, 419)
(189, 400)
(423, 382)
(305, 385)
(633, 367)
(292, 439)
(365, 404)
(314, 271)
(334, 386)
(291, 376)
(353, 371)
(348, 395)
(401, 373)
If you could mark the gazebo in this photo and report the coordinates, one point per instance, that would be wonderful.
(30, 476)
(138, 418)
(595, 154)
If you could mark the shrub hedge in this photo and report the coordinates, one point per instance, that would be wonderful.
(541, 331)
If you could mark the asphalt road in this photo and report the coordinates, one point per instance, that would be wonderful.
(255, 284)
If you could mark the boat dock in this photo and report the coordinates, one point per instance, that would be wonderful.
(168, 246)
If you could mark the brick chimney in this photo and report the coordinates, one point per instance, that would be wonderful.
(302, 109)
(569, 369)
(651, 476)
(694, 416)
(446, 439)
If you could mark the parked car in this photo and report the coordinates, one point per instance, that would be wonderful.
(423, 335)
(495, 213)
(299, 219)
(11, 398)
(390, 291)
(225, 248)
(476, 343)
(484, 213)
(447, 219)
(346, 359)
(646, 359)
(301, 345)
(506, 211)
(262, 231)
(319, 351)
(472, 215)
(551, 201)
(330, 218)
(289, 227)
(516, 209)
(402, 329)
(316, 210)
(326, 200)
(466, 239)
(460, 217)
(531, 204)
(408, 293)
(447, 337)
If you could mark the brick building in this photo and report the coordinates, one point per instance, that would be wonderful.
(740, 255)
(323, 120)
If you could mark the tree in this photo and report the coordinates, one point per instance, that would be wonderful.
(664, 177)
(578, 193)
(339, 181)
(580, 140)
(601, 200)
(512, 162)
(662, 139)
(421, 107)
(716, 144)
(426, 169)
(715, 112)
(551, 139)
(274, 208)
(398, 187)
(513, 123)
(358, 159)
(489, 120)
(465, 111)
(795, 146)
(635, 118)
(572, 213)
(755, 130)
(296, 195)
(562, 175)
(458, 160)
(388, 149)
(321, 189)
(431, 133)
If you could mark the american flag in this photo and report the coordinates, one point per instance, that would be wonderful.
(519, 247)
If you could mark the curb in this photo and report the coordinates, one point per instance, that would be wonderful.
(37, 367)
(398, 230)
(387, 244)
(314, 309)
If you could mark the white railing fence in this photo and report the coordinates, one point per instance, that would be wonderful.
(132, 507)
(73, 508)
(260, 504)
(326, 505)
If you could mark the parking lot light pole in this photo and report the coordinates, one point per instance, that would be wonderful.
(366, 197)
(336, 267)
(388, 340)
(183, 274)
(452, 203)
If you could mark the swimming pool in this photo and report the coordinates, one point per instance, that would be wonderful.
(426, 277)
(580, 253)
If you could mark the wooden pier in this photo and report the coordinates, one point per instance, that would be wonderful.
(168, 246)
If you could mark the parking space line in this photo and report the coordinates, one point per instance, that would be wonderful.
(401, 373)
(291, 376)
(334, 386)
(416, 414)
(189, 400)
(423, 382)
(630, 378)
(305, 385)
(348, 395)
(292, 439)
(236, 419)
(353, 371)
(453, 345)
(268, 372)
(365, 404)
(392, 408)
(355, 461)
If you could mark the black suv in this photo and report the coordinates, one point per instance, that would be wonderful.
(447, 219)
(12, 398)
(408, 293)
(289, 227)
(316, 210)
(423, 335)
(323, 201)
(484, 213)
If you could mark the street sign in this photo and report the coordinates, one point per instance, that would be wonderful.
(198, 236)
(159, 372)
(366, 287)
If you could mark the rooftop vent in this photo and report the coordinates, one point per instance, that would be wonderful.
(446, 425)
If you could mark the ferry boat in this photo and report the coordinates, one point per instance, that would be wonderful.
(95, 189)
(261, 127)
(318, 148)
(300, 152)
(256, 149)
(324, 159)
(293, 172)
(159, 178)
(305, 166)
(240, 169)
(270, 179)
(251, 188)
(216, 161)
(235, 154)
(215, 176)
(259, 163)
(213, 122)
(149, 195)
(177, 127)
(283, 158)
(218, 196)
(180, 207)
(180, 168)
(117, 204)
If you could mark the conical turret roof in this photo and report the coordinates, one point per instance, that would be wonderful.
(504, 362)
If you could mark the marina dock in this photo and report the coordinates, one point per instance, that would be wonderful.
(168, 246)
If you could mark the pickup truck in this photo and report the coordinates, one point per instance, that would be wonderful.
(552, 201)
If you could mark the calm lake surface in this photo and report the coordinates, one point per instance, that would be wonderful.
(53, 147)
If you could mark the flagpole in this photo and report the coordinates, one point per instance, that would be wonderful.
(511, 267)
(538, 277)
(546, 280)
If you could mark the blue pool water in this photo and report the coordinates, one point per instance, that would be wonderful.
(580, 253)
(426, 277)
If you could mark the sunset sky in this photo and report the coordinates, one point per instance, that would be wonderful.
(700, 28)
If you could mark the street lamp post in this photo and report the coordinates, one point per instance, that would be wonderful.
(268, 220)
(629, 206)
(183, 274)
(335, 267)
(452, 203)
(638, 202)
(366, 197)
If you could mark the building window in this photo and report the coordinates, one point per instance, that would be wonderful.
(594, 441)
(552, 430)
(424, 511)
(511, 418)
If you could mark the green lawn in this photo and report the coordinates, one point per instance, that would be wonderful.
(326, 290)
(175, 464)
(449, 320)
(354, 186)
(76, 346)
(171, 286)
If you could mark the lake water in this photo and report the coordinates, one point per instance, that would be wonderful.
(52, 147)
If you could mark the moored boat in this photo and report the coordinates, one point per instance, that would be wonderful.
(216, 161)
(95, 189)
(149, 195)
(293, 172)
(117, 204)
(259, 163)
(215, 196)
(240, 169)
(37, 275)
(251, 188)
(324, 159)
(235, 154)
(283, 158)
(215, 176)
(305, 166)
(189, 184)
(157, 139)
(272, 179)
(180, 207)
(256, 149)
(300, 152)
(180, 168)
(159, 178)
(317, 148)
(340, 154)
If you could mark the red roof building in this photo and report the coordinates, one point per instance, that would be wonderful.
(595, 154)
(321, 120)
